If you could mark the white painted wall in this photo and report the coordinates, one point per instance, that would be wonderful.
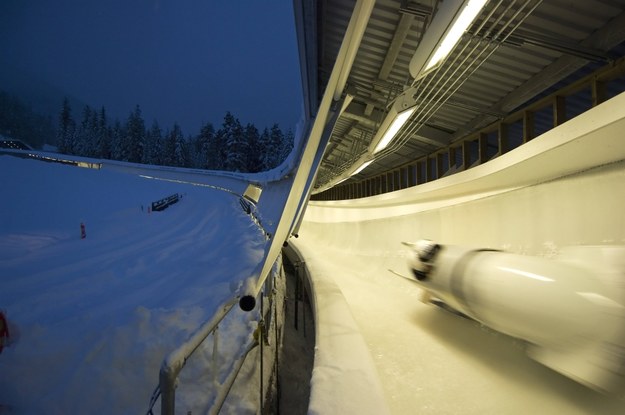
(566, 187)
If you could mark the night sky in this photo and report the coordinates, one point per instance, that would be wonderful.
(186, 61)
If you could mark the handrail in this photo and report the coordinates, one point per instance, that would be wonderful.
(219, 400)
(175, 361)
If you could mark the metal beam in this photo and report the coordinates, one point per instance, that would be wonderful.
(609, 36)
(606, 38)
(403, 28)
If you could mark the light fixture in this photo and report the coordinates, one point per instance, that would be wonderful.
(400, 111)
(390, 133)
(362, 167)
(447, 27)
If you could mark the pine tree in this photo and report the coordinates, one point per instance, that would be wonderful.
(287, 146)
(254, 158)
(236, 145)
(132, 145)
(202, 146)
(271, 142)
(153, 145)
(93, 135)
(218, 149)
(103, 136)
(171, 146)
(183, 154)
(67, 126)
(81, 132)
(117, 141)
(263, 154)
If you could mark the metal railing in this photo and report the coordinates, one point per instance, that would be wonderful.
(175, 361)
(166, 202)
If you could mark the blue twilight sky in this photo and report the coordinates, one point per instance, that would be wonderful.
(185, 61)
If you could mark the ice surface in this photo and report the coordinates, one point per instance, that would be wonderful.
(433, 362)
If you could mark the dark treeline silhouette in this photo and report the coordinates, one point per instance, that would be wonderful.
(19, 121)
(233, 147)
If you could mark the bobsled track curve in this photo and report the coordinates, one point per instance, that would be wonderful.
(564, 188)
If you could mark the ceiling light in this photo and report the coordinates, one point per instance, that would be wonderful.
(390, 133)
(362, 167)
(446, 29)
(399, 113)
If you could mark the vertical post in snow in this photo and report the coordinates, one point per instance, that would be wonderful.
(261, 334)
(215, 353)
(277, 356)
(167, 383)
(296, 299)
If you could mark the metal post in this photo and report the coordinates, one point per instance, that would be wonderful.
(296, 300)
(215, 353)
(222, 394)
(174, 362)
(168, 392)
(304, 310)
(277, 357)
(261, 335)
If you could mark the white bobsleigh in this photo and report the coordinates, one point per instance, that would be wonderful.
(570, 310)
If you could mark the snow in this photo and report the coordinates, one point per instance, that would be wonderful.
(344, 378)
(96, 316)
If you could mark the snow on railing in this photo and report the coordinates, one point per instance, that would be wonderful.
(175, 361)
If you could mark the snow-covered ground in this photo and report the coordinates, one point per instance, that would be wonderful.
(94, 317)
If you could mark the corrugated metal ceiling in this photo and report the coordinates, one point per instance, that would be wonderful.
(512, 53)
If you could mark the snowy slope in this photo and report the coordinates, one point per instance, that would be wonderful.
(96, 316)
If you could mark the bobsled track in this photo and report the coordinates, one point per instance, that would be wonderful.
(565, 188)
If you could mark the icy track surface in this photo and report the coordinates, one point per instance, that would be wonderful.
(433, 362)
(96, 316)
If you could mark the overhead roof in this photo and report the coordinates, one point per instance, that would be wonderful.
(515, 52)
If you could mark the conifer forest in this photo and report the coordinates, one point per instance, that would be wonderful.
(91, 133)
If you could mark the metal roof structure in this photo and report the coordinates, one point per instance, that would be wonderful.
(513, 54)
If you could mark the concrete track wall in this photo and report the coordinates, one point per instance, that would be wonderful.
(564, 188)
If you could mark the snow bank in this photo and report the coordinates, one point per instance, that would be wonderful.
(96, 316)
(344, 378)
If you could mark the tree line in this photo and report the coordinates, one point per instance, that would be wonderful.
(233, 147)
(19, 121)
